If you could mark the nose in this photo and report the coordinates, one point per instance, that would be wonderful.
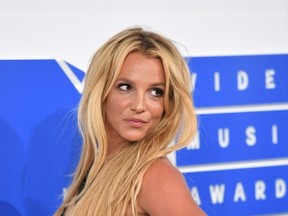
(138, 103)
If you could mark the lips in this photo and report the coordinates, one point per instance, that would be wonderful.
(135, 122)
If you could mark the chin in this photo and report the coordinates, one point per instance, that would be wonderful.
(134, 138)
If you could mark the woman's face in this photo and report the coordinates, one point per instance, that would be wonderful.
(135, 103)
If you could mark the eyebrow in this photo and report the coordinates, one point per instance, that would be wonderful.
(131, 82)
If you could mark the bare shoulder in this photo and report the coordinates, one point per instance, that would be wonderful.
(164, 192)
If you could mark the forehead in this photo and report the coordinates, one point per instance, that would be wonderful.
(138, 67)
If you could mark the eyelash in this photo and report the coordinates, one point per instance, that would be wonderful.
(121, 85)
(159, 92)
(125, 87)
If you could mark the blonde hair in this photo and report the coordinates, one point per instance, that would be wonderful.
(113, 185)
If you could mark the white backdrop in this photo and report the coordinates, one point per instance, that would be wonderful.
(72, 30)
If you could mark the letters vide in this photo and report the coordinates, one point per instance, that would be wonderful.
(242, 78)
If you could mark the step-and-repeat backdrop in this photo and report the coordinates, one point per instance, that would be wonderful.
(237, 164)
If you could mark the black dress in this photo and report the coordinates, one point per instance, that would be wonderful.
(80, 189)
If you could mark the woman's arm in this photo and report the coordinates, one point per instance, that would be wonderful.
(164, 192)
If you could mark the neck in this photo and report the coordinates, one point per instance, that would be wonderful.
(115, 145)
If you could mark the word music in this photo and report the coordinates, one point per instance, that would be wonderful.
(250, 137)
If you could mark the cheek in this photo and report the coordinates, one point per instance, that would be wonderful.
(116, 106)
(157, 110)
(114, 102)
(110, 109)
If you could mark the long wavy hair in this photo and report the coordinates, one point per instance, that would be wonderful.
(111, 186)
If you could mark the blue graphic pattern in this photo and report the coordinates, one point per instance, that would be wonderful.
(40, 144)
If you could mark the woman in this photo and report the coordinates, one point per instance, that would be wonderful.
(136, 101)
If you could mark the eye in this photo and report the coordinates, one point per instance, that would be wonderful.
(157, 92)
(124, 86)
